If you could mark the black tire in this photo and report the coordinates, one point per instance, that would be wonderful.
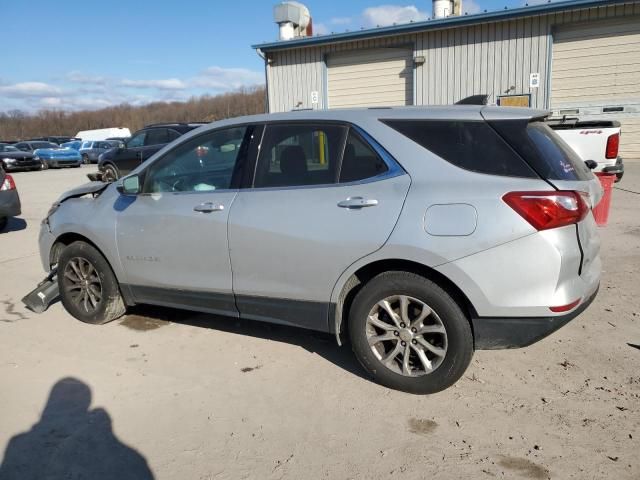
(619, 177)
(3, 223)
(110, 304)
(109, 174)
(85, 159)
(459, 337)
(45, 165)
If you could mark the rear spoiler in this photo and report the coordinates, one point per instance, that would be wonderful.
(567, 123)
(481, 99)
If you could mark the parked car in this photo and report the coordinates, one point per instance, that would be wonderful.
(58, 157)
(57, 139)
(597, 140)
(118, 162)
(13, 159)
(75, 144)
(422, 233)
(33, 145)
(92, 149)
(9, 199)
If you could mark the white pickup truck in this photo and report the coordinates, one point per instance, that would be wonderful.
(593, 140)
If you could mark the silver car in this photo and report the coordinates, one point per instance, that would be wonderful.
(420, 234)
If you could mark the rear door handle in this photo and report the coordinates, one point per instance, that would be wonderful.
(357, 202)
(208, 207)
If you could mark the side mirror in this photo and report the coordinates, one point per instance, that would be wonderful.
(130, 185)
(122, 145)
(591, 164)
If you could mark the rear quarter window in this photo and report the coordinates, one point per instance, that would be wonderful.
(550, 156)
(472, 145)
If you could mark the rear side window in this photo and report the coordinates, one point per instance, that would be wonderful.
(156, 136)
(544, 150)
(296, 155)
(472, 145)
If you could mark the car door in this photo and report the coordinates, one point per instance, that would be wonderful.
(128, 158)
(172, 237)
(311, 213)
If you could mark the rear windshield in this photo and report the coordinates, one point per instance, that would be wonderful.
(472, 145)
(544, 150)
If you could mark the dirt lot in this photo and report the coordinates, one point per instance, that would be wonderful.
(166, 394)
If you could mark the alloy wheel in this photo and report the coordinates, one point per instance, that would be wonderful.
(82, 283)
(406, 335)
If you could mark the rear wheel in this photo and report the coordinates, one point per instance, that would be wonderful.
(109, 174)
(409, 333)
(89, 289)
(3, 223)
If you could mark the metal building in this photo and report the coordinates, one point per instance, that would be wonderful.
(578, 58)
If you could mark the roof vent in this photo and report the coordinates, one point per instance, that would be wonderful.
(294, 20)
(446, 8)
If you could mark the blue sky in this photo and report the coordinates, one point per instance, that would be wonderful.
(72, 54)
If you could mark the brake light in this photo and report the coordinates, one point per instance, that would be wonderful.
(545, 210)
(613, 143)
(8, 183)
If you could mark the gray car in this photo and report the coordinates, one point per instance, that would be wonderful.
(9, 199)
(421, 234)
(91, 150)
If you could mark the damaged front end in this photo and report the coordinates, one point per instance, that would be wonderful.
(47, 292)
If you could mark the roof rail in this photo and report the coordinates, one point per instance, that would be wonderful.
(168, 124)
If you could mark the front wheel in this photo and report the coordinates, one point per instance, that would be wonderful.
(3, 223)
(89, 289)
(109, 174)
(85, 159)
(409, 333)
(45, 165)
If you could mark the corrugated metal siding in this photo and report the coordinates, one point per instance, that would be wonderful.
(376, 77)
(489, 58)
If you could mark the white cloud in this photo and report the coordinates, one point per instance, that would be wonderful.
(384, 15)
(340, 21)
(164, 84)
(320, 29)
(79, 77)
(219, 78)
(470, 7)
(29, 89)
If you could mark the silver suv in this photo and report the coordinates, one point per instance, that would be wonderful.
(420, 234)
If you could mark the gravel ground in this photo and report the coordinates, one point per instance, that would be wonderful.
(168, 394)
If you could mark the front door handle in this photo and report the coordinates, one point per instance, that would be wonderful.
(208, 207)
(358, 202)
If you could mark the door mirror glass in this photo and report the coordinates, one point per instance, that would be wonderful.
(122, 145)
(130, 185)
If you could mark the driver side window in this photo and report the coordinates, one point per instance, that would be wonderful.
(201, 164)
(137, 141)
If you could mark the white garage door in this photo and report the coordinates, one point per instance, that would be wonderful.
(370, 78)
(598, 65)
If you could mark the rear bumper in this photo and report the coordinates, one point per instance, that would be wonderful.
(501, 333)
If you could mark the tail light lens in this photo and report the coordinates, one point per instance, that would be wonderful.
(545, 210)
(8, 183)
(613, 143)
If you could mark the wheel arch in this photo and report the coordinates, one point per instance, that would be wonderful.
(363, 274)
(67, 239)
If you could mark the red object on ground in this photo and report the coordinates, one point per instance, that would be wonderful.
(601, 211)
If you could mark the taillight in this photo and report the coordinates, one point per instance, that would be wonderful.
(545, 210)
(8, 183)
(613, 143)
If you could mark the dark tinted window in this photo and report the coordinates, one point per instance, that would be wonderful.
(305, 154)
(157, 136)
(544, 150)
(137, 140)
(22, 146)
(202, 164)
(172, 135)
(360, 160)
(470, 145)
